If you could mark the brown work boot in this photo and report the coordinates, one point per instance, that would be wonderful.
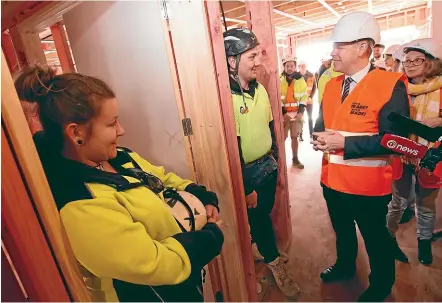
(297, 163)
(284, 279)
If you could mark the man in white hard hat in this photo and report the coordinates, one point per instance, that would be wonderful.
(356, 176)
(391, 63)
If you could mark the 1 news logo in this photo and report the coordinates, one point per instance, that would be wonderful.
(392, 144)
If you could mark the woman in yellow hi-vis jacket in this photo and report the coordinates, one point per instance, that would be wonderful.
(112, 201)
(294, 100)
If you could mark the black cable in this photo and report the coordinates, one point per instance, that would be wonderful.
(222, 12)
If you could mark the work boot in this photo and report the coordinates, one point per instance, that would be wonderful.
(284, 279)
(336, 273)
(297, 163)
(374, 294)
(398, 253)
(407, 216)
(258, 257)
(425, 255)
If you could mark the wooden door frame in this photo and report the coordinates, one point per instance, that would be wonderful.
(34, 178)
(203, 96)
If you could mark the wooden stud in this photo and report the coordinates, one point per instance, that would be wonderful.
(219, 57)
(198, 82)
(259, 14)
(63, 49)
(23, 236)
(9, 51)
(28, 47)
(24, 149)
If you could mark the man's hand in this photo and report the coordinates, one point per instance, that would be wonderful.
(252, 200)
(433, 122)
(212, 213)
(328, 141)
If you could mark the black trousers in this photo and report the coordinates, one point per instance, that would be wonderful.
(370, 215)
(261, 227)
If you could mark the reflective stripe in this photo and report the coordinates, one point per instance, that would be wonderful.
(300, 94)
(351, 134)
(282, 97)
(290, 104)
(363, 162)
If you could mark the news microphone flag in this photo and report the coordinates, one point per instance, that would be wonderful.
(404, 146)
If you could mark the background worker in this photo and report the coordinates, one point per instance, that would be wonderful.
(311, 90)
(356, 176)
(258, 150)
(391, 63)
(326, 76)
(294, 100)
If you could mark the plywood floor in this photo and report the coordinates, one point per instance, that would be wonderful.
(313, 247)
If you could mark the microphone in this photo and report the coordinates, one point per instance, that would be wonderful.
(431, 134)
(404, 146)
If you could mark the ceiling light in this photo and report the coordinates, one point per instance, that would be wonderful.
(343, 7)
(339, 3)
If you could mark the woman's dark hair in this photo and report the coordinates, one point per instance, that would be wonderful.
(62, 99)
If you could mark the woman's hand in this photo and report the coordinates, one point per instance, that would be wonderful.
(212, 213)
(433, 122)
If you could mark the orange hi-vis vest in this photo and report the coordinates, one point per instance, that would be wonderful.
(310, 82)
(290, 103)
(358, 115)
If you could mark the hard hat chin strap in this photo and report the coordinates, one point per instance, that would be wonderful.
(236, 77)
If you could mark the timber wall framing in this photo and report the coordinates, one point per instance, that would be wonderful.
(202, 103)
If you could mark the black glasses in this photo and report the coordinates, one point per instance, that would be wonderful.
(415, 62)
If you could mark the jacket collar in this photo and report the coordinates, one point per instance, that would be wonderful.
(234, 87)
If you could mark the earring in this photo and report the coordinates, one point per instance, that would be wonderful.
(79, 142)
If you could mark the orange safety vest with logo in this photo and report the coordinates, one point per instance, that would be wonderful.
(358, 116)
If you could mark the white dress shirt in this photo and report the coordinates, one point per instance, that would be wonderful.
(358, 76)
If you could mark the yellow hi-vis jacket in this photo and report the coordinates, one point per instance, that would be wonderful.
(293, 95)
(325, 77)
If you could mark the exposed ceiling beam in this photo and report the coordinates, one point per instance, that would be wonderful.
(293, 17)
(235, 20)
(324, 4)
(370, 6)
(328, 27)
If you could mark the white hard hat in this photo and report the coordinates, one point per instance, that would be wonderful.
(427, 45)
(187, 209)
(356, 26)
(380, 63)
(399, 54)
(391, 49)
(288, 59)
(302, 62)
